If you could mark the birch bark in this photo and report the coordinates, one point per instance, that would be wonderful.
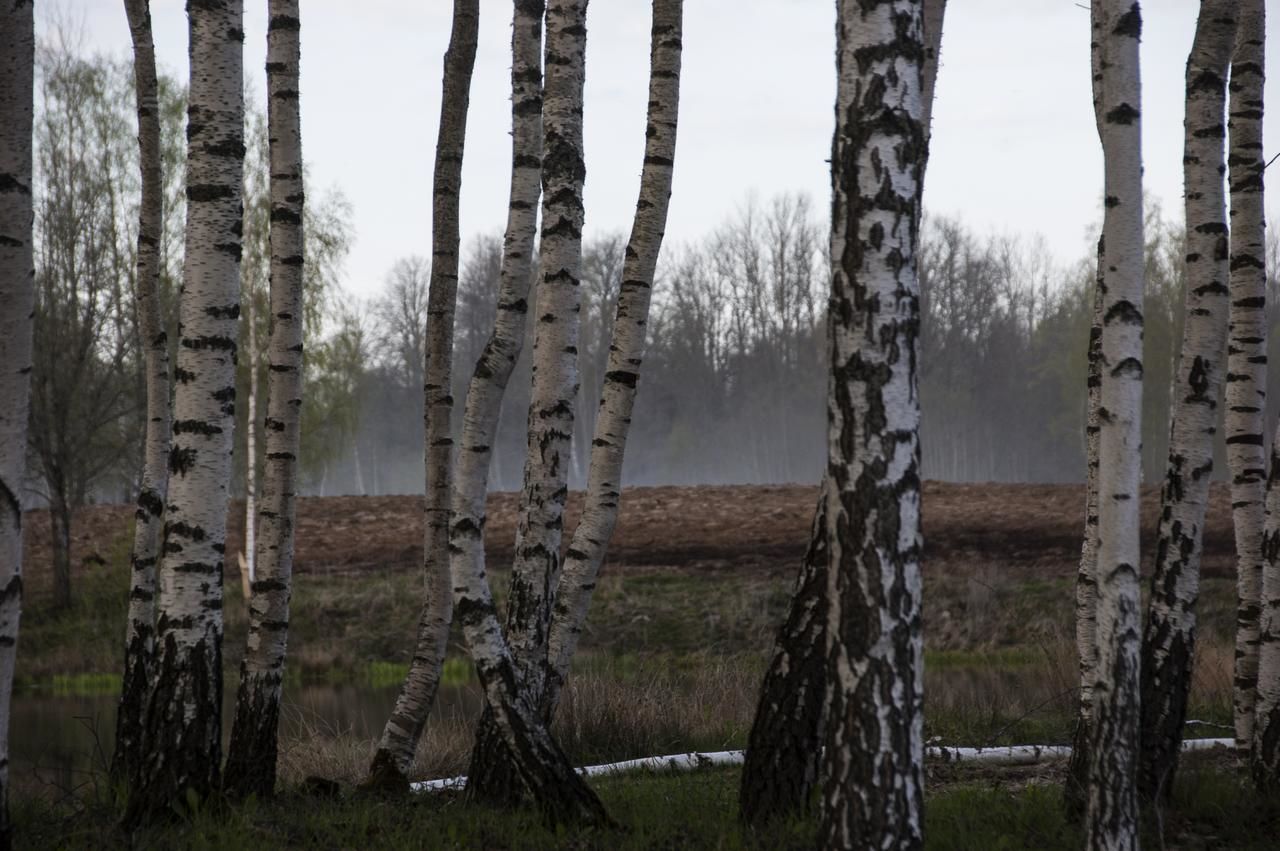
(872, 764)
(182, 724)
(1112, 810)
(781, 763)
(17, 302)
(251, 756)
(1075, 790)
(626, 352)
(1246, 393)
(140, 631)
(1168, 640)
(536, 565)
(404, 728)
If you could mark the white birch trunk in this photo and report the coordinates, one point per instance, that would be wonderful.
(140, 630)
(553, 396)
(1168, 640)
(251, 449)
(536, 759)
(1112, 809)
(626, 353)
(403, 729)
(781, 764)
(1075, 792)
(17, 302)
(1248, 262)
(183, 722)
(251, 757)
(1246, 394)
(872, 765)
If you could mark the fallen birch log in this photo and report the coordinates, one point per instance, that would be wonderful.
(1011, 755)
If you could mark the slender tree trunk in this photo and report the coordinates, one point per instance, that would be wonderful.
(182, 725)
(251, 449)
(786, 736)
(1246, 394)
(17, 304)
(1111, 817)
(60, 532)
(626, 352)
(140, 631)
(1168, 641)
(1248, 267)
(493, 370)
(872, 764)
(404, 728)
(1076, 789)
(536, 566)
(251, 757)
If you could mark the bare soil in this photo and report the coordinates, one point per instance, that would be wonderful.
(1033, 529)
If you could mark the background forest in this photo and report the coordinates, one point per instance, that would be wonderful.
(734, 385)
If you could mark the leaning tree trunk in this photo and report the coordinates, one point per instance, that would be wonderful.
(1247, 354)
(1111, 817)
(248, 566)
(140, 630)
(404, 728)
(626, 353)
(553, 396)
(1075, 791)
(873, 760)
(1168, 641)
(251, 757)
(182, 725)
(781, 766)
(17, 303)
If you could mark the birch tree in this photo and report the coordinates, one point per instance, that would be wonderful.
(626, 352)
(17, 301)
(140, 630)
(553, 394)
(1261, 720)
(1246, 392)
(182, 726)
(1075, 791)
(1112, 811)
(1168, 640)
(403, 729)
(872, 763)
(251, 756)
(781, 763)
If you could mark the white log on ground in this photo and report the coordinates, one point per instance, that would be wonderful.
(1009, 755)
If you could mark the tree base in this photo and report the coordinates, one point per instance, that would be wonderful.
(385, 777)
(254, 748)
(182, 726)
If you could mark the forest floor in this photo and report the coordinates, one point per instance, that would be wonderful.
(695, 583)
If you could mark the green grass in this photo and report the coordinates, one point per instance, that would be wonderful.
(1213, 808)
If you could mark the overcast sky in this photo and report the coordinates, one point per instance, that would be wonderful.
(1014, 146)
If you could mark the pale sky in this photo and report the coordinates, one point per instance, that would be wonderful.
(1014, 147)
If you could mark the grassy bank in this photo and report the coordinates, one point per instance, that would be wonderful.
(1213, 808)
